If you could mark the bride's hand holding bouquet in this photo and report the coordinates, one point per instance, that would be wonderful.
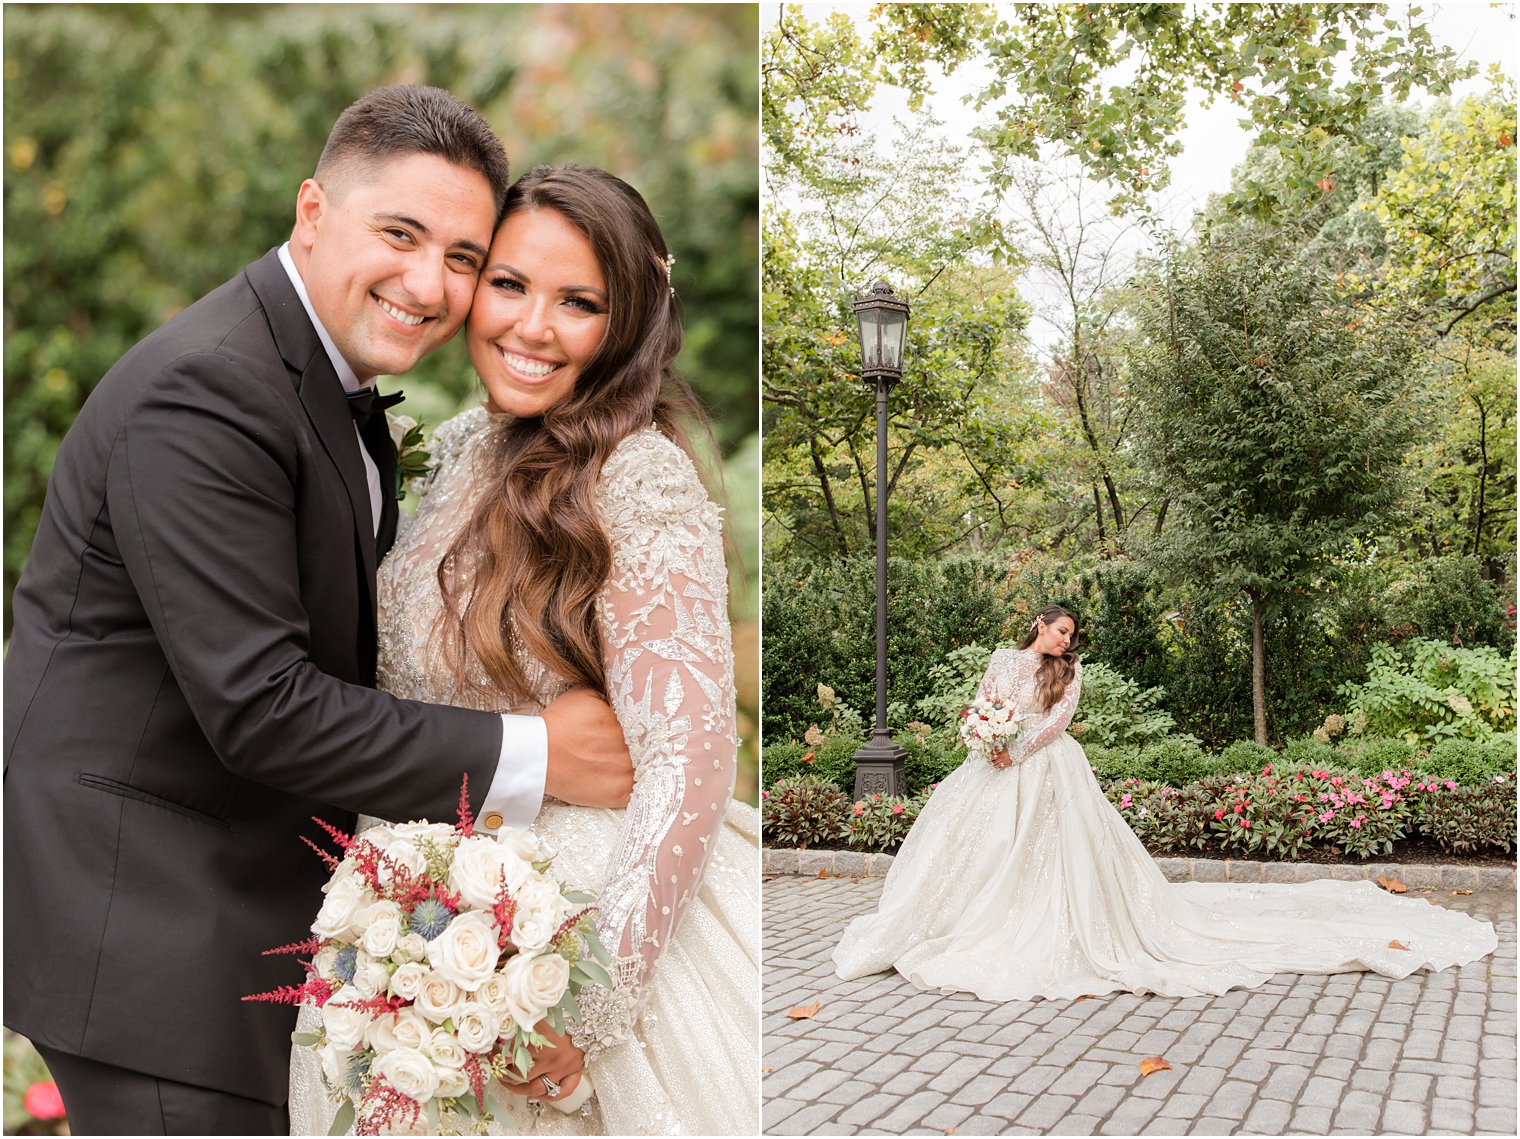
(440, 956)
(989, 726)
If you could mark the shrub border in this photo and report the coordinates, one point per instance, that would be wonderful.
(1417, 876)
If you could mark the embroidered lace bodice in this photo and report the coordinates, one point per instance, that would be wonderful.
(1012, 673)
(669, 664)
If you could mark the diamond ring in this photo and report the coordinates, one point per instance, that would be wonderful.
(551, 1089)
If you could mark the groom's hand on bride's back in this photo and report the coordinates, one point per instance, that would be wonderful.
(589, 763)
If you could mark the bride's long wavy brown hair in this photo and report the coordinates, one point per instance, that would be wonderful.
(1056, 672)
(527, 568)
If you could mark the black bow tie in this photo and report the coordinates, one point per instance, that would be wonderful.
(367, 402)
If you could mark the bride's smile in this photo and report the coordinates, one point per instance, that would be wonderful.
(540, 313)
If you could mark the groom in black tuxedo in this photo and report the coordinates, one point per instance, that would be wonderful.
(190, 676)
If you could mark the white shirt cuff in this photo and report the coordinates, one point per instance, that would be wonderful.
(517, 790)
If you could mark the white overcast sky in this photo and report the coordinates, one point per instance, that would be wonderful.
(1213, 142)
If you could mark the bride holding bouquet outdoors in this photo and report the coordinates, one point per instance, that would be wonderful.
(1020, 880)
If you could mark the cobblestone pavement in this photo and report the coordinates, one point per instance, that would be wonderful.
(1352, 1053)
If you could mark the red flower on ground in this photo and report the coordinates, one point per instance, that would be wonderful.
(42, 1101)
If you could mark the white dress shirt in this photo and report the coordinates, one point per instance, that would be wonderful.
(516, 793)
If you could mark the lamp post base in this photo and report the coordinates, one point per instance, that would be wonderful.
(879, 767)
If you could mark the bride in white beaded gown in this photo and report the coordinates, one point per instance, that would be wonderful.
(565, 514)
(1020, 880)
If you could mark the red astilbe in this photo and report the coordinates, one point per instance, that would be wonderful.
(570, 922)
(478, 1068)
(342, 839)
(314, 990)
(325, 856)
(310, 945)
(504, 910)
(466, 819)
(382, 1106)
(376, 1006)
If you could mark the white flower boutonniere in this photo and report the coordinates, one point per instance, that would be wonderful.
(413, 463)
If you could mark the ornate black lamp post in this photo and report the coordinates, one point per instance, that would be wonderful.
(883, 319)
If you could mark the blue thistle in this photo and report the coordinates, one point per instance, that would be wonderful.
(356, 1073)
(429, 917)
(345, 964)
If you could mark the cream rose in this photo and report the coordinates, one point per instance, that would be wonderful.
(406, 981)
(417, 831)
(326, 963)
(467, 951)
(402, 852)
(381, 923)
(401, 1029)
(334, 1063)
(523, 843)
(493, 994)
(344, 1023)
(410, 947)
(445, 1049)
(540, 910)
(478, 871)
(437, 998)
(534, 985)
(370, 976)
(410, 1072)
(451, 1082)
(341, 907)
(476, 1026)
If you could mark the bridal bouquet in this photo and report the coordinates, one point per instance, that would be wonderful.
(436, 952)
(990, 724)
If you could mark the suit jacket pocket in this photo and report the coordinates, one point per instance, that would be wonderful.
(127, 791)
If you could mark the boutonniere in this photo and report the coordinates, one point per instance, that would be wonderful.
(413, 463)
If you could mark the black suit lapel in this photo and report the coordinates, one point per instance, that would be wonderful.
(321, 393)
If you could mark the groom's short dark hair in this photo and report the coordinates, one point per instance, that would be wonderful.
(393, 122)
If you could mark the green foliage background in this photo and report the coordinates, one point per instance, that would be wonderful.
(1337, 445)
(152, 151)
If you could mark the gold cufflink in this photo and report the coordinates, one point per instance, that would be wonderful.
(493, 820)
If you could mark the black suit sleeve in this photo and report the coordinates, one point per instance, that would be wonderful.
(203, 497)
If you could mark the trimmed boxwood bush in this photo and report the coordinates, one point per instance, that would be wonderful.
(1245, 755)
(1468, 762)
(1371, 757)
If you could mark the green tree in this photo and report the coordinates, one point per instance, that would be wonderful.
(1448, 211)
(1278, 423)
(851, 215)
(1303, 75)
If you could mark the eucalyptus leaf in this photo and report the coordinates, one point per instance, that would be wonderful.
(344, 1119)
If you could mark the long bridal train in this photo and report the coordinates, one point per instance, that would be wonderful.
(1027, 883)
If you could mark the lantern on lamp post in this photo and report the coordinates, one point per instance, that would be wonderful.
(882, 317)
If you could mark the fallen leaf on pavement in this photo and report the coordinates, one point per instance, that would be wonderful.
(1152, 1064)
(803, 1012)
(766, 1071)
(1086, 997)
(1454, 893)
(1432, 901)
(1396, 945)
(1392, 885)
(824, 874)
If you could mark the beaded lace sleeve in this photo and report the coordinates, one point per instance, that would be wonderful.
(669, 661)
(1046, 726)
